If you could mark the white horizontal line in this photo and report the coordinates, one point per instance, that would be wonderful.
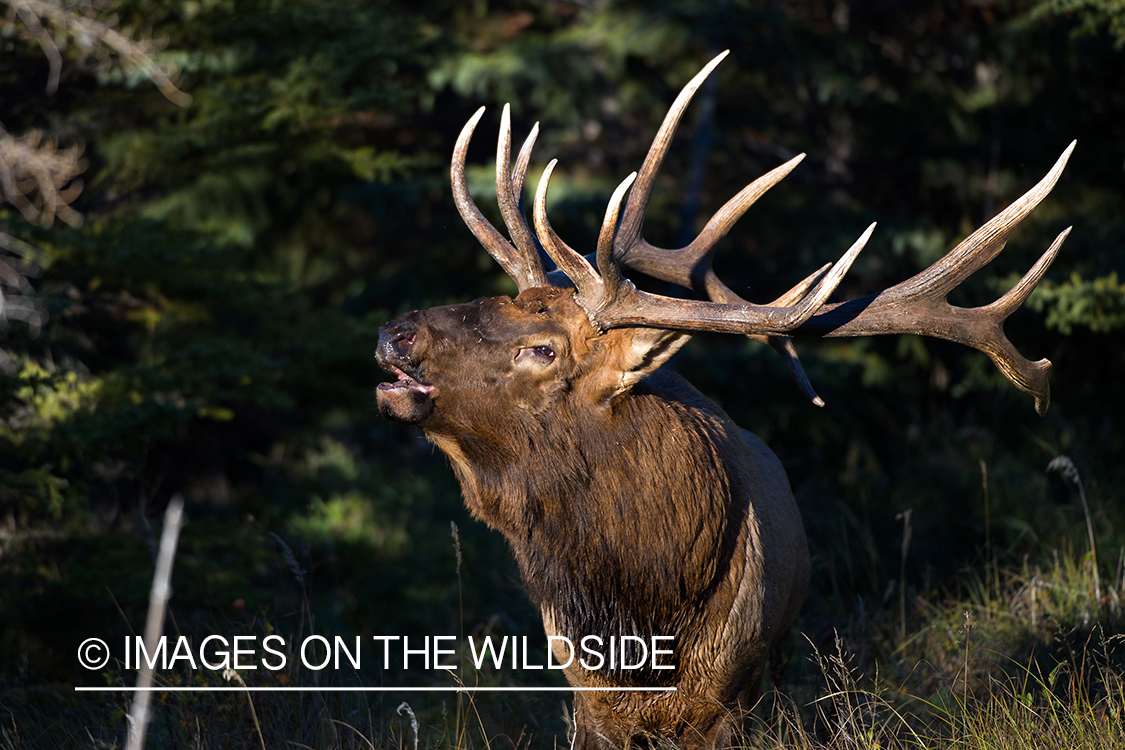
(450, 689)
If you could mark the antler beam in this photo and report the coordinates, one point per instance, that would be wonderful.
(611, 301)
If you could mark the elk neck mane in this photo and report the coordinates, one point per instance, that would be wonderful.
(633, 495)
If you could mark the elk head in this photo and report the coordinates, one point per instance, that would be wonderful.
(527, 354)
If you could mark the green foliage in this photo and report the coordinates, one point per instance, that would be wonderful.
(1098, 304)
(1092, 15)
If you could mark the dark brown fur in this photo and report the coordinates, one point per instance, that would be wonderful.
(633, 507)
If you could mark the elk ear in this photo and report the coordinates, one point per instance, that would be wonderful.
(640, 352)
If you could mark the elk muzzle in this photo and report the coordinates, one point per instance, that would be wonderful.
(406, 399)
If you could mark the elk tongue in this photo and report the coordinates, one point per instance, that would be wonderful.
(405, 381)
(405, 400)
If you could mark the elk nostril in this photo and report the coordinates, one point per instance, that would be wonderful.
(402, 344)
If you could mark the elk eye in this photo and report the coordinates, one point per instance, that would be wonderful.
(543, 354)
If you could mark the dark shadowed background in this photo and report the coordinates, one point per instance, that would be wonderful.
(201, 319)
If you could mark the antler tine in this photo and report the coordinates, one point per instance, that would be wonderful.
(1019, 293)
(919, 305)
(519, 171)
(1028, 376)
(984, 244)
(607, 265)
(630, 231)
(783, 345)
(822, 289)
(508, 198)
(522, 266)
(569, 260)
(690, 265)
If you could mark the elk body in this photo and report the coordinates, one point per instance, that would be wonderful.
(633, 505)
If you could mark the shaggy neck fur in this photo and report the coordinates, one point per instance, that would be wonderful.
(617, 529)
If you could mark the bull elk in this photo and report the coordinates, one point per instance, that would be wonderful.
(633, 504)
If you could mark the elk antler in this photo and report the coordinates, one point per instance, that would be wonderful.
(917, 305)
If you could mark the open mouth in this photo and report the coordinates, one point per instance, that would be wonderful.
(404, 382)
